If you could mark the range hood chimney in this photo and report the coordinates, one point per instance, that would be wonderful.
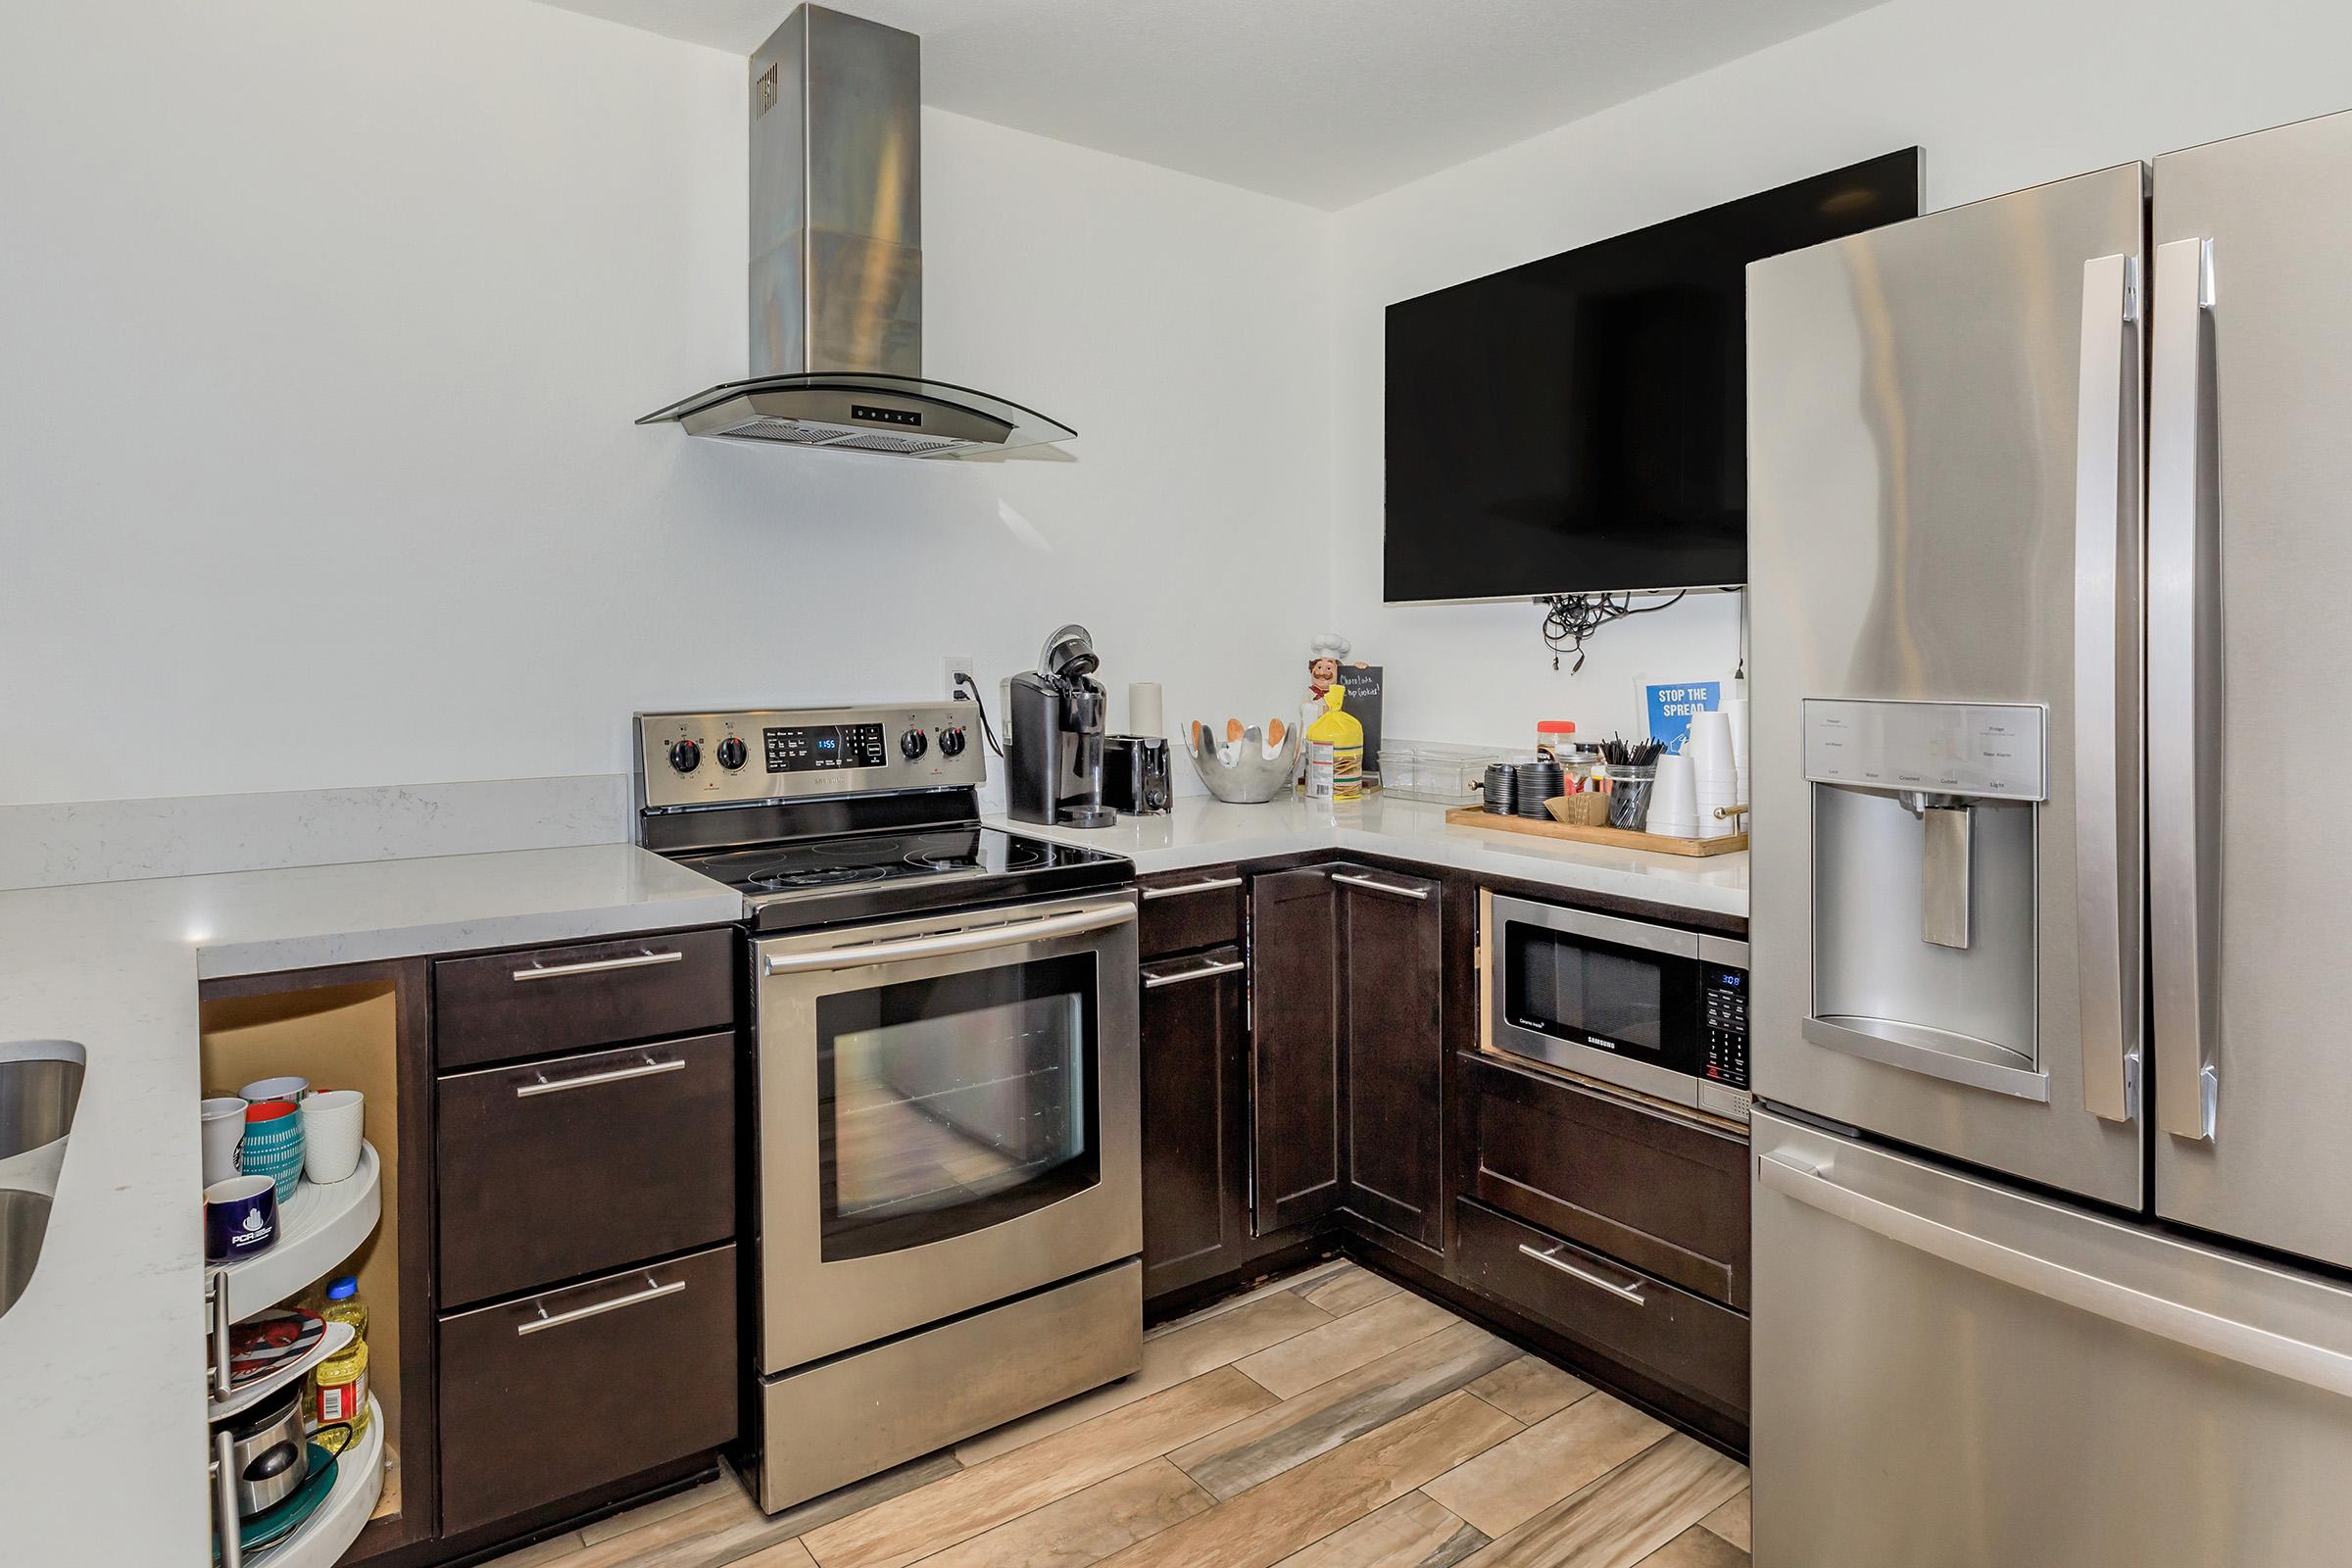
(836, 260)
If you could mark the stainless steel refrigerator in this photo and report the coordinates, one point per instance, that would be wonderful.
(2051, 544)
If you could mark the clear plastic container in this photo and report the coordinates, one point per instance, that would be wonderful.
(1423, 773)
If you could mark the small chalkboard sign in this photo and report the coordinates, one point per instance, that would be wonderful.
(1361, 683)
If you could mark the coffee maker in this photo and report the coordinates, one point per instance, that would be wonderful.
(1054, 718)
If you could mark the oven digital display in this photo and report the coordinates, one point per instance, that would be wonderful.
(820, 748)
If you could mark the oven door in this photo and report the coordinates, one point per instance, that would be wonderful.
(947, 1117)
(1613, 998)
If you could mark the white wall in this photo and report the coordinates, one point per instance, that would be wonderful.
(322, 326)
(1999, 93)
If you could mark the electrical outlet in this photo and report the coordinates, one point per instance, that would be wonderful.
(956, 665)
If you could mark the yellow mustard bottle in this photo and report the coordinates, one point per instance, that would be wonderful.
(1335, 751)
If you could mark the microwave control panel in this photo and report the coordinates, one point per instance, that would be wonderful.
(1723, 1026)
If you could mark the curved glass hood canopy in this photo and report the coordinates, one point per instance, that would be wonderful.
(836, 260)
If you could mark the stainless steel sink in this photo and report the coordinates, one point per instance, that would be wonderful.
(40, 1083)
(24, 1223)
(40, 1087)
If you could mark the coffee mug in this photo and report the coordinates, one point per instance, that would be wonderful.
(289, 1087)
(331, 1122)
(273, 1144)
(240, 1218)
(223, 1137)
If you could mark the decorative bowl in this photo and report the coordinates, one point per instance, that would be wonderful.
(1246, 769)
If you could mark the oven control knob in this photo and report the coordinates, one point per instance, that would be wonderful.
(732, 753)
(913, 743)
(950, 743)
(686, 755)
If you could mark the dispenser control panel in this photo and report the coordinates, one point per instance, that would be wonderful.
(1993, 751)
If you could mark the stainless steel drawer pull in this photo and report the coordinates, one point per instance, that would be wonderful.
(1628, 1293)
(630, 960)
(1370, 886)
(1152, 982)
(1214, 884)
(545, 1321)
(647, 1068)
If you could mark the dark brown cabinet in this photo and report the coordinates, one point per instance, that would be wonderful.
(1694, 1347)
(1391, 933)
(507, 1006)
(1184, 911)
(1664, 1194)
(1195, 1096)
(563, 1167)
(554, 1395)
(585, 1122)
(1297, 1072)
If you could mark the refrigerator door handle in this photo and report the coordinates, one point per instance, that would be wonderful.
(2242, 1342)
(2104, 681)
(2185, 685)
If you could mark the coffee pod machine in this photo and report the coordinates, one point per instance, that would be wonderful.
(1135, 774)
(1053, 740)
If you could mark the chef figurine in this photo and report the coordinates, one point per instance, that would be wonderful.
(1323, 659)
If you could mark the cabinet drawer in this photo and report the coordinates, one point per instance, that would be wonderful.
(511, 1004)
(544, 1397)
(1650, 1190)
(1187, 910)
(556, 1169)
(1690, 1344)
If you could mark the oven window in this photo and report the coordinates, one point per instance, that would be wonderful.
(951, 1105)
(1572, 986)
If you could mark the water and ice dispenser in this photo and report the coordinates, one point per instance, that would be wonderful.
(1925, 832)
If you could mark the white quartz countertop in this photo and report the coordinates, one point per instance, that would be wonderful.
(102, 1447)
(1205, 831)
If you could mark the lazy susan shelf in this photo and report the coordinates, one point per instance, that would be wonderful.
(323, 1224)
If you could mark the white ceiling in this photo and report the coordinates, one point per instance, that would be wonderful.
(1321, 101)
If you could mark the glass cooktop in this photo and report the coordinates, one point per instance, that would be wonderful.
(907, 866)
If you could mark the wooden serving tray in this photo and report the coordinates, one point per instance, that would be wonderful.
(1616, 837)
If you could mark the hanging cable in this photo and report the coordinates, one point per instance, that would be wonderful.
(1570, 618)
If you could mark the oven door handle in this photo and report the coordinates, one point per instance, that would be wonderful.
(1001, 934)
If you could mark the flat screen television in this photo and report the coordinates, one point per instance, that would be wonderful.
(1577, 424)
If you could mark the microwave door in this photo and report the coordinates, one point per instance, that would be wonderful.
(1615, 1000)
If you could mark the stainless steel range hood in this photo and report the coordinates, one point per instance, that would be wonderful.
(836, 260)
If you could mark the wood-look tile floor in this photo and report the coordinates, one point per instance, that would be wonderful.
(1327, 1420)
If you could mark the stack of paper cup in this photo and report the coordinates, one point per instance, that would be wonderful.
(1714, 776)
(1142, 709)
(1673, 803)
(1734, 714)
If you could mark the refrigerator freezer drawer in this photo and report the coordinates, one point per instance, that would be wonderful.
(1949, 1374)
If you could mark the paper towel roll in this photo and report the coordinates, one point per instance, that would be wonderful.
(1142, 709)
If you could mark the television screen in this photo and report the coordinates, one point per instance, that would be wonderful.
(1579, 424)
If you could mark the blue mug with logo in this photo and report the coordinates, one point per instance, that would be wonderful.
(240, 1218)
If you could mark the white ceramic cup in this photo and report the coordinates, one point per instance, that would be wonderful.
(289, 1087)
(223, 1135)
(332, 1120)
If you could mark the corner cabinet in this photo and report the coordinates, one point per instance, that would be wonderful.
(1298, 1073)
(1391, 932)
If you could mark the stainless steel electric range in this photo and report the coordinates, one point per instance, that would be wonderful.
(947, 1192)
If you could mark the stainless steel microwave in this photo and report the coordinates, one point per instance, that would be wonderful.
(1649, 1008)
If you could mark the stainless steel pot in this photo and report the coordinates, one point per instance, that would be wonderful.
(269, 1454)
